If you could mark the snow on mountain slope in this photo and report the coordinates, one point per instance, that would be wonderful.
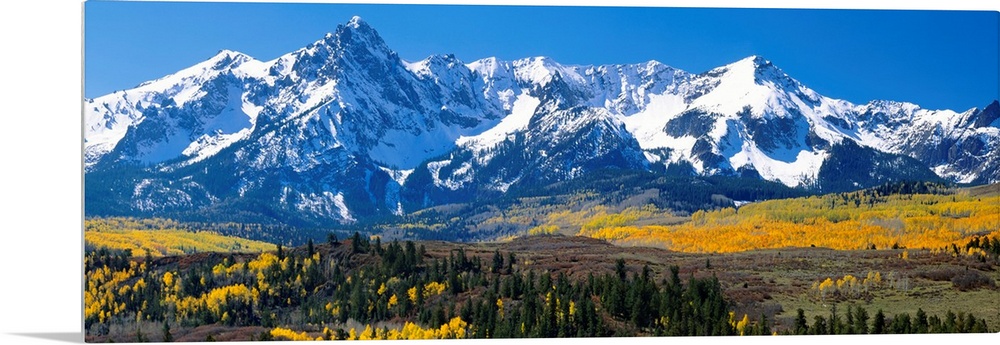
(787, 118)
(961, 147)
(521, 111)
(231, 125)
(344, 128)
(395, 112)
(647, 125)
(105, 121)
(108, 118)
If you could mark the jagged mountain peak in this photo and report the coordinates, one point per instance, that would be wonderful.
(356, 22)
(226, 55)
(433, 64)
(205, 86)
(332, 130)
(488, 67)
(355, 40)
(893, 105)
(647, 68)
(223, 61)
(759, 62)
(752, 82)
(352, 48)
(492, 60)
(753, 61)
(542, 69)
(357, 32)
(758, 68)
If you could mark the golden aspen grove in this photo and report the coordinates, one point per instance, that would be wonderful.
(846, 221)
(160, 237)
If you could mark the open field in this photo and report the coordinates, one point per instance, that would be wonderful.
(776, 282)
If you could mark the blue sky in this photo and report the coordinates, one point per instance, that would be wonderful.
(937, 59)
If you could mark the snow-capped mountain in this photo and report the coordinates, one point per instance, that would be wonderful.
(206, 99)
(344, 129)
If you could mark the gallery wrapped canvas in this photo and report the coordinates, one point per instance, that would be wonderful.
(286, 171)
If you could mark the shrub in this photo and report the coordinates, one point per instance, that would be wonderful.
(970, 280)
(944, 274)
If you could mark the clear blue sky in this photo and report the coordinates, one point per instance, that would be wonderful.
(937, 59)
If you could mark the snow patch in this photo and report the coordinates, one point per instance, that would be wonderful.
(405, 149)
(647, 125)
(462, 173)
(803, 168)
(208, 145)
(234, 123)
(399, 176)
(518, 119)
(948, 172)
(338, 201)
(325, 203)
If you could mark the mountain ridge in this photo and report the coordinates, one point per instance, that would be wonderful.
(336, 130)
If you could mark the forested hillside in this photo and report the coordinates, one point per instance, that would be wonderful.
(363, 288)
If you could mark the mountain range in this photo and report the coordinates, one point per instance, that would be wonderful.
(344, 129)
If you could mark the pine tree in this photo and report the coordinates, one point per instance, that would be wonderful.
(497, 262)
(878, 325)
(934, 324)
(355, 243)
(861, 320)
(819, 325)
(949, 324)
(800, 322)
(834, 321)
(620, 269)
(901, 324)
(849, 324)
(167, 337)
(510, 262)
(920, 324)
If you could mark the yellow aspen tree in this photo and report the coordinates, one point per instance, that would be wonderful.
(742, 325)
(367, 334)
(168, 280)
(412, 293)
(823, 287)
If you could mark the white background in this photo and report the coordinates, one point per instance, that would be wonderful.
(40, 176)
